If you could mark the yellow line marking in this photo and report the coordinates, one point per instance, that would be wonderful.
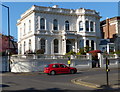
(80, 82)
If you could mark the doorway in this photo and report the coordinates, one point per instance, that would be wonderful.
(68, 46)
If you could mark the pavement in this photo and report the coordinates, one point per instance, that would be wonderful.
(99, 81)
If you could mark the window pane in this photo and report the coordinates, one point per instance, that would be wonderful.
(87, 25)
(29, 25)
(30, 44)
(91, 26)
(55, 46)
(42, 23)
(55, 66)
(24, 46)
(66, 25)
(87, 43)
(42, 44)
(92, 45)
(80, 26)
(55, 25)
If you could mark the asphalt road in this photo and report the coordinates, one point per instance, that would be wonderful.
(42, 82)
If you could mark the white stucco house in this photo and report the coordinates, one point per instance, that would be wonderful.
(58, 30)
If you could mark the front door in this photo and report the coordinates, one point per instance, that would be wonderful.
(64, 68)
(68, 46)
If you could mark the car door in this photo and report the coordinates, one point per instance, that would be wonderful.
(64, 68)
(56, 68)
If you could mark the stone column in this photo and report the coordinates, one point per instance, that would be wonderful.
(59, 46)
(38, 44)
(100, 57)
(84, 43)
(95, 45)
(90, 44)
(76, 45)
(64, 46)
(48, 46)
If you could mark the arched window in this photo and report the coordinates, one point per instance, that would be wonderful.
(87, 25)
(55, 24)
(66, 25)
(29, 25)
(24, 47)
(80, 26)
(29, 44)
(42, 44)
(42, 23)
(91, 26)
(55, 46)
(92, 45)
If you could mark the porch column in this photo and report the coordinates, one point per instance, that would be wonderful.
(38, 44)
(59, 47)
(64, 46)
(76, 45)
(52, 47)
(90, 44)
(95, 45)
(84, 43)
(48, 46)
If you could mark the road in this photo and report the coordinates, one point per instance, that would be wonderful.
(42, 82)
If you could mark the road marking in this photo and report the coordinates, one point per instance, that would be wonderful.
(80, 82)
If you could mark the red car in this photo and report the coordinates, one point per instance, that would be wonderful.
(52, 69)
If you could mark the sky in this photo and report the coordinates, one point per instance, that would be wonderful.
(106, 9)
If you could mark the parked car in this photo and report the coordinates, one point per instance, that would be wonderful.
(57, 68)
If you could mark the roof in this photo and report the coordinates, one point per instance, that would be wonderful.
(104, 42)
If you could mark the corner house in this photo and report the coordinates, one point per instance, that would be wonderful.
(58, 30)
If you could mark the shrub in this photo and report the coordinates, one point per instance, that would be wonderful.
(29, 52)
(40, 51)
(117, 52)
(87, 49)
(70, 53)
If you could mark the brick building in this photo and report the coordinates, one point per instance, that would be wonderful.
(110, 27)
(4, 44)
(110, 30)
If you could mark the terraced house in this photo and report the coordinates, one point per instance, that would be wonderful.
(58, 30)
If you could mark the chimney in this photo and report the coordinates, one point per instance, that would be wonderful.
(107, 25)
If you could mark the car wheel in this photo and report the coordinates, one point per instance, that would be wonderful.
(72, 71)
(52, 73)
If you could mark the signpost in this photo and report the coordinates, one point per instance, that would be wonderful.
(107, 70)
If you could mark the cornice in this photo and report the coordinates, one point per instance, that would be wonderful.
(25, 16)
(57, 13)
(47, 35)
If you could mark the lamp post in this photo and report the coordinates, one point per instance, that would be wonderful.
(8, 35)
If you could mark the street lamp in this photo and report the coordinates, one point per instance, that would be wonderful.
(8, 34)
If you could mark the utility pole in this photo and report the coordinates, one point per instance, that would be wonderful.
(8, 35)
(107, 70)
